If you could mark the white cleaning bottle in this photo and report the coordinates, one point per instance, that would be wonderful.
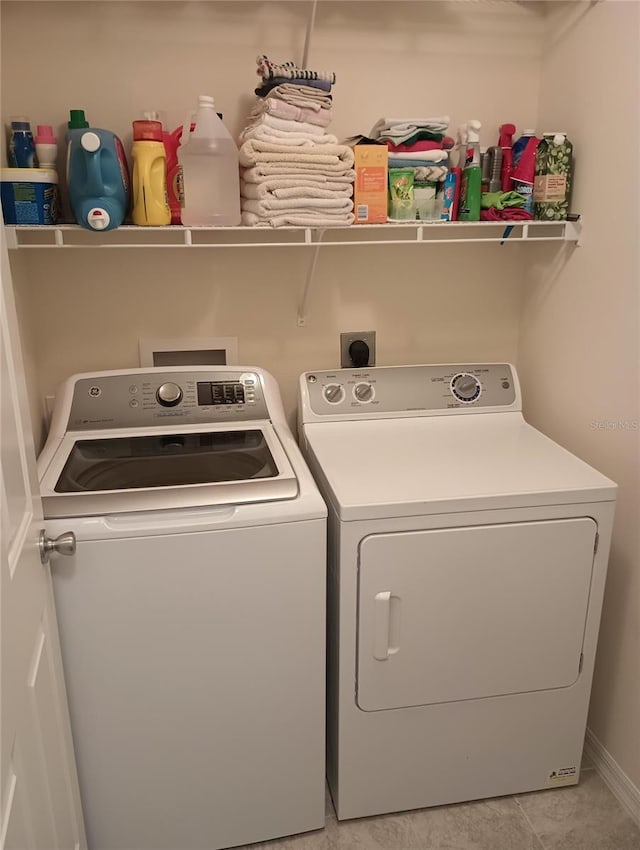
(209, 183)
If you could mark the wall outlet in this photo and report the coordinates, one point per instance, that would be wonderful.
(352, 336)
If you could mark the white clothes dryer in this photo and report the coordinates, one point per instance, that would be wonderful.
(192, 616)
(467, 557)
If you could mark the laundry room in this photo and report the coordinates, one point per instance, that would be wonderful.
(532, 321)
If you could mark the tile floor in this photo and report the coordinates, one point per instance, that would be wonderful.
(583, 817)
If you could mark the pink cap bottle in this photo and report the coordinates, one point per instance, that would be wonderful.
(46, 146)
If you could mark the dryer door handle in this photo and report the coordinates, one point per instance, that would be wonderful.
(382, 615)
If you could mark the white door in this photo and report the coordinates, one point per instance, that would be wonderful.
(40, 801)
(465, 613)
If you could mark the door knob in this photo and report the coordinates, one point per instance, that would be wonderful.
(64, 544)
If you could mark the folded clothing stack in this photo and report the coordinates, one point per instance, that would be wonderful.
(503, 206)
(416, 143)
(292, 171)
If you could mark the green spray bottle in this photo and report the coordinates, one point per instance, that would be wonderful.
(471, 188)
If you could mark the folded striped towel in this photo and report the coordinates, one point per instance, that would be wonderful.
(268, 70)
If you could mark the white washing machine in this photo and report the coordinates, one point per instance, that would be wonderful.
(467, 560)
(192, 616)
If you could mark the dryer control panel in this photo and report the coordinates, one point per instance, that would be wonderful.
(153, 398)
(409, 390)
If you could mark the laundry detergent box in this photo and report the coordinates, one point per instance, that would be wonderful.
(29, 195)
(370, 186)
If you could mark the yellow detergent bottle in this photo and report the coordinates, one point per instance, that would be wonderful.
(150, 205)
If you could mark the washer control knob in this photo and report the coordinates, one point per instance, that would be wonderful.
(333, 393)
(169, 394)
(465, 387)
(363, 392)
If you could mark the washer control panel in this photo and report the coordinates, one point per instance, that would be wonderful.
(152, 398)
(406, 389)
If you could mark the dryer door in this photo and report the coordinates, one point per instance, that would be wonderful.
(465, 613)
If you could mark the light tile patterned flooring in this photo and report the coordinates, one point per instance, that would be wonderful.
(583, 817)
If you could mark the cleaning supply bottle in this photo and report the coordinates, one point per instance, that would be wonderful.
(471, 188)
(208, 175)
(21, 151)
(451, 195)
(171, 143)
(150, 206)
(46, 147)
(97, 175)
(553, 177)
(505, 143)
(520, 145)
(523, 174)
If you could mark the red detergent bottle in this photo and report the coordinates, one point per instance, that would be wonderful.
(505, 142)
(523, 175)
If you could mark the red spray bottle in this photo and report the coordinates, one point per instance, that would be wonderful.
(507, 132)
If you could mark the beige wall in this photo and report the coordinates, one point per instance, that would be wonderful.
(579, 354)
(576, 336)
(86, 310)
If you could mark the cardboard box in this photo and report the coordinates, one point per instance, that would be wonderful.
(370, 187)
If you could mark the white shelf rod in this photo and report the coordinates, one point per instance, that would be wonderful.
(337, 244)
(417, 235)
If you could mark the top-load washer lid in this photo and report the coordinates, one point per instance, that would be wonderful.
(141, 440)
(111, 473)
(419, 466)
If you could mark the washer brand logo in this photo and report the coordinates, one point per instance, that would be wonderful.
(95, 392)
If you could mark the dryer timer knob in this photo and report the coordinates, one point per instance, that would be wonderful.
(363, 392)
(333, 393)
(465, 387)
(169, 394)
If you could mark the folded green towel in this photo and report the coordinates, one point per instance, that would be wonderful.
(501, 200)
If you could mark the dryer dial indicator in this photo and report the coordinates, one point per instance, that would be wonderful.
(465, 387)
(363, 392)
(333, 393)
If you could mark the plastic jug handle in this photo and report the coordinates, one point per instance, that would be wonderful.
(95, 184)
(187, 125)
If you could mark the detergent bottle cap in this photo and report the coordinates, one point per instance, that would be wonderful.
(77, 120)
(558, 138)
(147, 131)
(90, 142)
(529, 132)
(45, 135)
(205, 101)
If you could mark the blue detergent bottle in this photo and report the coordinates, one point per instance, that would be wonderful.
(97, 175)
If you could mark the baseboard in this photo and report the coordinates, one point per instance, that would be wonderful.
(627, 794)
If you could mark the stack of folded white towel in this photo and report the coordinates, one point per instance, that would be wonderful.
(292, 171)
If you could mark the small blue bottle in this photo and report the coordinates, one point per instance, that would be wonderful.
(22, 149)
